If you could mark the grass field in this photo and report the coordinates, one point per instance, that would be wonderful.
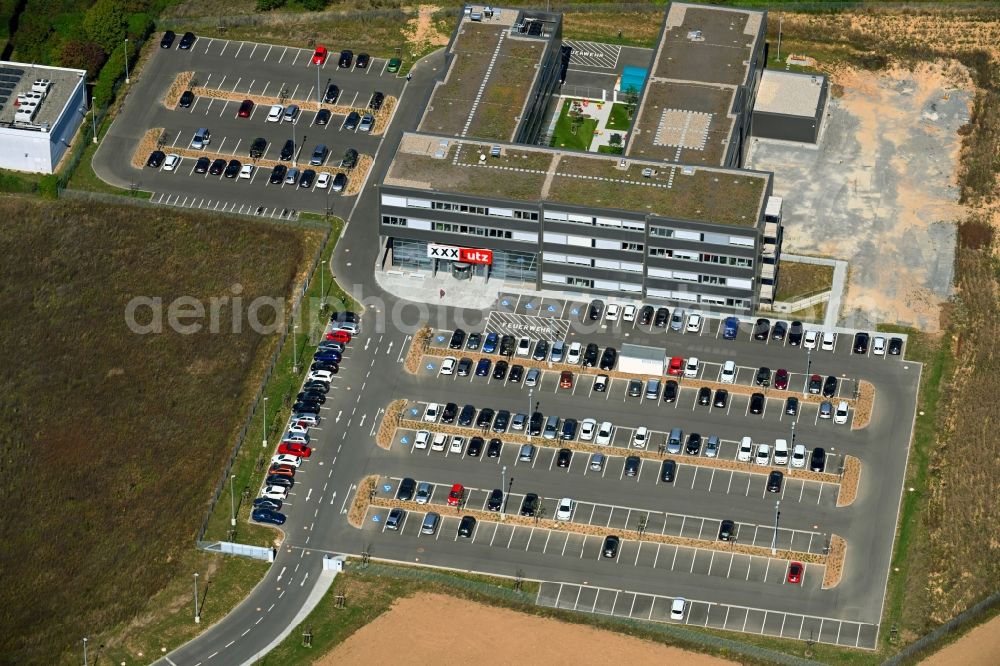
(117, 438)
(563, 136)
(797, 280)
(619, 118)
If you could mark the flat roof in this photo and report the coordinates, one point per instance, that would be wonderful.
(789, 93)
(493, 69)
(18, 77)
(707, 44)
(534, 173)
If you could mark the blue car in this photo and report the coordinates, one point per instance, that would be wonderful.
(731, 328)
(268, 516)
(483, 367)
(329, 356)
(490, 346)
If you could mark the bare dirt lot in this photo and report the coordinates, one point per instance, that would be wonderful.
(880, 190)
(513, 638)
(979, 647)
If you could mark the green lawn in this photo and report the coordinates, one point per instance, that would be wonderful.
(797, 280)
(563, 136)
(619, 118)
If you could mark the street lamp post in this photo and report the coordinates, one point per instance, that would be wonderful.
(793, 433)
(809, 353)
(506, 497)
(126, 61)
(265, 422)
(503, 482)
(197, 613)
(93, 117)
(530, 403)
(295, 349)
(85, 639)
(295, 146)
(774, 538)
(232, 502)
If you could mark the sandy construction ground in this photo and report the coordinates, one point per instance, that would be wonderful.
(478, 634)
(979, 647)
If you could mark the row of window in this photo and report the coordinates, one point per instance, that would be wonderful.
(576, 260)
(701, 236)
(607, 222)
(491, 211)
(689, 255)
(454, 228)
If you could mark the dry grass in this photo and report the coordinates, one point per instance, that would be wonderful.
(359, 507)
(850, 481)
(797, 280)
(146, 145)
(835, 561)
(864, 406)
(390, 421)
(418, 347)
(182, 82)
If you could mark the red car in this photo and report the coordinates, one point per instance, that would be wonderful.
(343, 337)
(566, 379)
(319, 56)
(781, 379)
(281, 470)
(295, 449)
(795, 570)
(456, 495)
(676, 366)
(246, 108)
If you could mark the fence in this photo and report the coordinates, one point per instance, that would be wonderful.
(243, 550)
(930, 642)
(801, 304)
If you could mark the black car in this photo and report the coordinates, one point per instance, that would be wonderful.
(376, 101)
(287, 150)
(457, 339)
(278, 480)
(331, 95)
(466, 416)
(483, 367)
(608, 359)
(501, 422)
(590, 355)
(268, 516)
(500, 370)
(704, 396)
(670, 390)
(860, 343)
(362, 61)
(830, 387)
(406, 489)
(757, 403)
(187, 41)
(668, 470)
(610, 547)
(352, 120)
(156, 159)
(646, 315)
(507, 343)
(535, 423)
(324, 365)
(168, 39)
(564, 458)
(265, 503)
(541, 351)
(817, 462)
(278, 174)
(815, 384)
(693, 445)
(761, 329)
(339, 182)
(493, 448)
(346, 58)
(774, 481)
(307, 179)
(662, 317)
(466, 527)
(464, 367)
(595, 310)
(632, 464)
(727, 530)
(305, 408)
(779, 330)
(317, 386)
(485, 418)
(201, 166)
(529, 505)
(516, 373)
(311, 396)
(233, 169)
(475, 447)
(600, 385)
(895, 346)
(495, 501)
(792, 406)
(449, 413)
(474, 341)
(350, 159)
(187, 99)
(569, 427)
(323, 117)
(344, 316)
(634, 388)
(218, 166)
(721, 398)
(795, 334)
(258, 147)
(763, 377)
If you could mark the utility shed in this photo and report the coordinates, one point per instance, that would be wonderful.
(642, 360)
(789, 106)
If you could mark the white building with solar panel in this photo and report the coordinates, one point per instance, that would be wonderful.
(40, 111)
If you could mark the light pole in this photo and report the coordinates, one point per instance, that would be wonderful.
(503, 482)
(197, 613)
(232, 502)
(295, 349)
(774, 538)
(93, 117)
(809, 360)
(126, 61)
(780, 18)
(265, 422)
(793, 433)
(85, 639)
(506, 497)
(295, 146)
(530, 403)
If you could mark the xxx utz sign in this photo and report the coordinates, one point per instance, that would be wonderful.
(473, 256)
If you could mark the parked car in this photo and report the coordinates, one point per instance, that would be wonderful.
(346, 59)
(352, 121)
(610, 547)
(668, 469)
(187, 41)
(167, 40)
(246, 108)
(269, 516)
(761, 329)
(319, 55)
(727, 530)
(466, 527)
(774, 480)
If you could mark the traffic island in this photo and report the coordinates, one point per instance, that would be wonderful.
(850, 481)
(149, 142)
(418, 347)
(362, 499)
(181, 83)
(390, 421)
(864, 405)
(835, 559)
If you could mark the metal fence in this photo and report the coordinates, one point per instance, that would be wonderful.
(240, 549)
(932, 641)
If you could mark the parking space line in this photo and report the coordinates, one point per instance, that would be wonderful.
(209, 45)
(224, 47)
(282, 55)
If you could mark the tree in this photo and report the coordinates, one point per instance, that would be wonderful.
(615, 140)
(630, 97)
(268, 5)
(82, 55)
(105, 23)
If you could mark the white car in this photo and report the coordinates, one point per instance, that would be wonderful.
(694, 323)
(524, 347)
(296, 437)
(628, 313)
(588, 428)
(601, 383)
(320, 375)
(565, 510)
(573, 355)
(809, 341)
(780, 452)
(829, 341)
(431, 413)
(246, 171)
(728, 374)
(274, 492)
(746, 449)
(285, 459)
(640, 437)
(448, 365)
(878, 346)
(840, 414)
(612, 313)
(420, 441)
(691, 369)
(274, 115)
(799, 456)
(457, 444)
(440, 439)
(298, 426)
(763, 454)
(323, 181)
(677, 608)
(311, 419)
(605, 433)
(171, 162)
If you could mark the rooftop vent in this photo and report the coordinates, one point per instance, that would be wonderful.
(687, 171)
(695, 36)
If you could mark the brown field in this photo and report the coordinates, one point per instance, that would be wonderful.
(979, 647)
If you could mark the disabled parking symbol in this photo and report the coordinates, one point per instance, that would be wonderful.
(386, 487)
(505, 302)
(552, 308)
(414, 411)
(404, 440)
(575, 311)
(430, 366)
(376, 518)
(440, 338)
(529, 306)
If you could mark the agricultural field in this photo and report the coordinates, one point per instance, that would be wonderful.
(117, 438)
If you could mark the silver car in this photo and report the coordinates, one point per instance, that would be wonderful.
(367, 123)
(531, 379)
(423, 493)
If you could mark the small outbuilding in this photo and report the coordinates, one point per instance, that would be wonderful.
(789, 106)
(642, 360)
